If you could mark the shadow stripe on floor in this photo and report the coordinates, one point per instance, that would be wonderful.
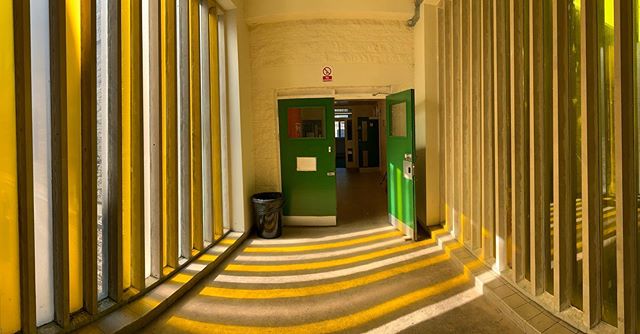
(322, 246)
(325, 264)
(353, 320)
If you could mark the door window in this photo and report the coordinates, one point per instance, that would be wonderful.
(306, 122)
(340, 129)
(398, 124)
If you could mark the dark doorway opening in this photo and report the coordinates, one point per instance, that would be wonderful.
(360, 169)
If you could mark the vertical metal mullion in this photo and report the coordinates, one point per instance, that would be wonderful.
(475, 124)
(89, 156)
(155, 133)
(625, 157)
(224, 116)
(184, 121)
(487, 120)
(59, 163)
(196, 241)
(465, 49)
(591, 180)
(442, 135)
(448, 75)
(501, 107)
(114, 228)
(457, 63)
(519, 141)
(170, 132)
(538, 157)
(137, 146)
(24, 140)
(564, 200)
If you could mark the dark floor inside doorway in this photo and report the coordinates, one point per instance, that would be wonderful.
(361, 198)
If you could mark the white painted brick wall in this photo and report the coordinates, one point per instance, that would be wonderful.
(283, 54)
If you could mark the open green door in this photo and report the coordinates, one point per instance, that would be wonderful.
(401, 152)
(307, 160)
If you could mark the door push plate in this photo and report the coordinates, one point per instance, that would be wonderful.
(407, 168)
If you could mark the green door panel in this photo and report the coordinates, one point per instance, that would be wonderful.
(307, 132)
(401, 153)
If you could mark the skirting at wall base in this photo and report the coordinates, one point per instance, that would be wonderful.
(406, 230)
(309, 220)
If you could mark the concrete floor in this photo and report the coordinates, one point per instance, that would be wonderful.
(360, 276)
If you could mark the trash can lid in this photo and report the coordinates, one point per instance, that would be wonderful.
(266, 197)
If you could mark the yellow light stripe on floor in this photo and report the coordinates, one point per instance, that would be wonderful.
(181, 278)
(289, 249)
(321, 289)
(288, 257)
(326, 326)
(227, 241)
(325, 264)
(329, 274)
(207, 257)
(333, 237)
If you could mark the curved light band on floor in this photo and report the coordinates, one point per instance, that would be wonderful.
(322, 288)
(286, 241)
(325, 264)
(331, 325)
(304, 248)
(428, 312)
(322, 275)
(315, 256)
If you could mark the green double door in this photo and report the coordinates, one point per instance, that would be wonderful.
(308, 161)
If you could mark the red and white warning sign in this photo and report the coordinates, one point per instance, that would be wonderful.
(327, 74)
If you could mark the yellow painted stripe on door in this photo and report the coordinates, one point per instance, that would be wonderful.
(9, 266)
(74, 142)
(327, 326)
(321, 289)
(326, 264)
(289, 249)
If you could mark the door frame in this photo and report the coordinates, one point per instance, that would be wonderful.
(368, 93)
(351, 93)
(295, 220)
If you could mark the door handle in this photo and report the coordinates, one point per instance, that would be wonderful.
(331, 173)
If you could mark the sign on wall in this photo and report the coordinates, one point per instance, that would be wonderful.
(327, 74)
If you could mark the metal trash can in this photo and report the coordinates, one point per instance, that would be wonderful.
(267, 212)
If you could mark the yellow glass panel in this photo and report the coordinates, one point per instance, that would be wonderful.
(216, 146)
(126, 143)
(9, 266)
(164, 129)
(169, 133)
(74, 147)
(195, 114)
